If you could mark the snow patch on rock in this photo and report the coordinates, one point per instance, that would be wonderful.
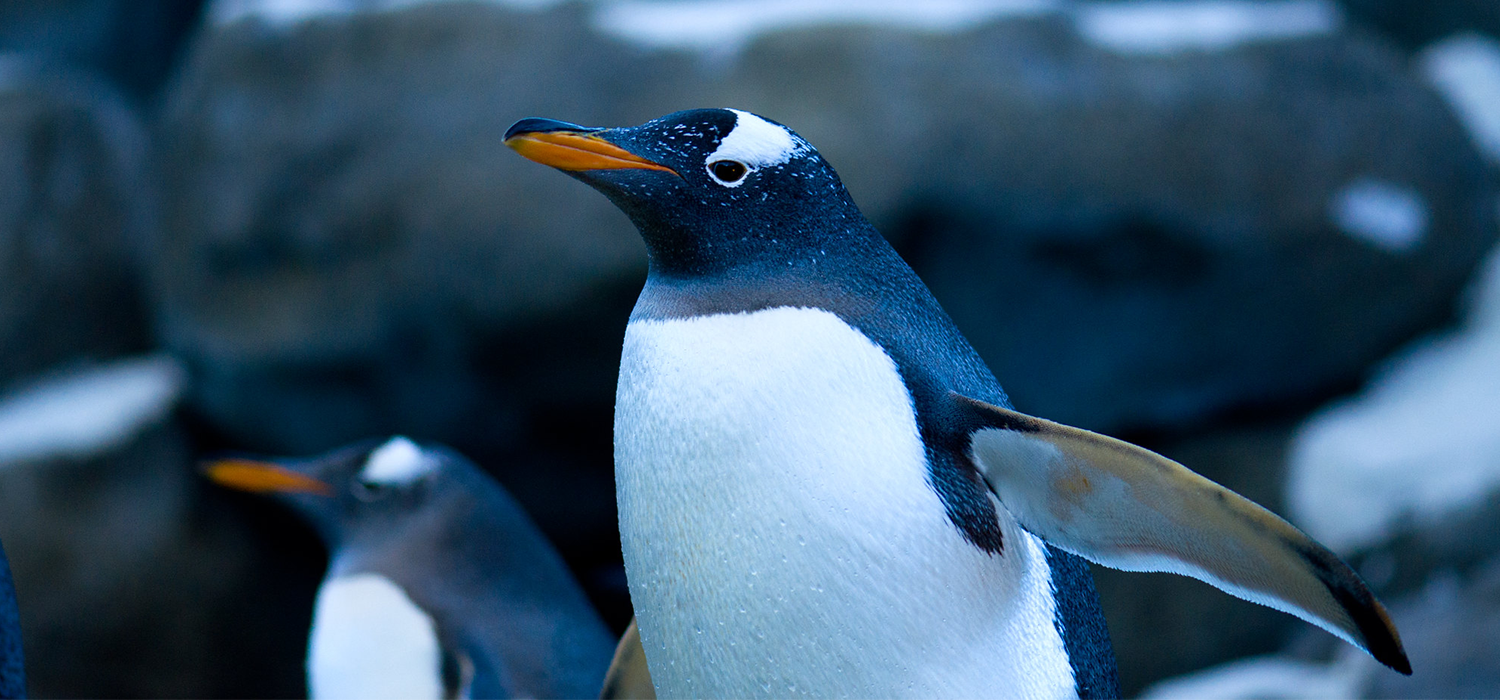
(1173, 26)
(1268, 678)
(288, 12)
(719, 26)
(88, 412)
(1389, 216)
(1465, 69)
(725, 26)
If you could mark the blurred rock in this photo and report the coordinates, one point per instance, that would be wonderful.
(137, 580)
(1267, 678)
(1419, 449)
(1403, 479)
(133, 42)
(1460, 543)
(74, 212)
(347, 233)
(1415, 24)
(1142, 221)
(1465, 69)
(1140, 241)
(350, 249)
(1134, 233)
(1450, 629)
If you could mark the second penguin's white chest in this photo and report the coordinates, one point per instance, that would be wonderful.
(780, 533)
(369, 640)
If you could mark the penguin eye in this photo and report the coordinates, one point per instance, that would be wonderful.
(370, 490)
(727, 172)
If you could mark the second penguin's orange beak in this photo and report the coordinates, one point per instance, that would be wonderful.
(262, 477)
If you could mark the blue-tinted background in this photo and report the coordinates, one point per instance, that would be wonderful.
(1250, 235)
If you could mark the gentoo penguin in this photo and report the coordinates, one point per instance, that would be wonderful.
(824, 491)
(438, 583)
(12, 673)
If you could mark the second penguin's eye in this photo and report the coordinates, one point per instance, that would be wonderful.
(727, 172)
(370, 490)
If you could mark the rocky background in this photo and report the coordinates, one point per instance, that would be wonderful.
(1254, 236)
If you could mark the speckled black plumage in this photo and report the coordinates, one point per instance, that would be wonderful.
(1081, 624)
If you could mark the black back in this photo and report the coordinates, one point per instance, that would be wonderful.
(12, 674)
(790, 235)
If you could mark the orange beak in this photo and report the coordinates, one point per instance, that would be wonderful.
(262, 477)
(572, 151)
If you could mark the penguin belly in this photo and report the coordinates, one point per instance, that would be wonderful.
(369, 641)
(780, 533)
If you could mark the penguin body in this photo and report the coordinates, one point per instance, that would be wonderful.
(822, 488)
(12, 671)
(438, 583)
(793, 523)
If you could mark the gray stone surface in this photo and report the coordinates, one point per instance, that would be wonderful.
(75, 210)
(1415, 24)
(1451, 630)
(346, 232)
(132, 42)
(1146, 241)
(137, 578)
(1129, 240)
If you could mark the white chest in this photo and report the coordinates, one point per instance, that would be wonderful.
(780, 534)
(369, 640)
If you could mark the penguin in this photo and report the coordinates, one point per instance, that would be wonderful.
(12, 671)
(822, 488)
(438, 583)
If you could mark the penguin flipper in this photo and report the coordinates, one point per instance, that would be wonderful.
(628, 677)
(1128, 508)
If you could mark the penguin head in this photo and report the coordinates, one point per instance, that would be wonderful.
(368, 495)
(709, 189)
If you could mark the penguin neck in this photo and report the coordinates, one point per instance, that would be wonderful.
(704, 240)
(845, 265)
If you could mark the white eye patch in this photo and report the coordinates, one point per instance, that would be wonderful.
(757, 143)
(397, 463)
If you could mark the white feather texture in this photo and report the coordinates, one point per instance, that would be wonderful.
(757, 143)
(369, 641)
(780, 534)
(397, 463)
